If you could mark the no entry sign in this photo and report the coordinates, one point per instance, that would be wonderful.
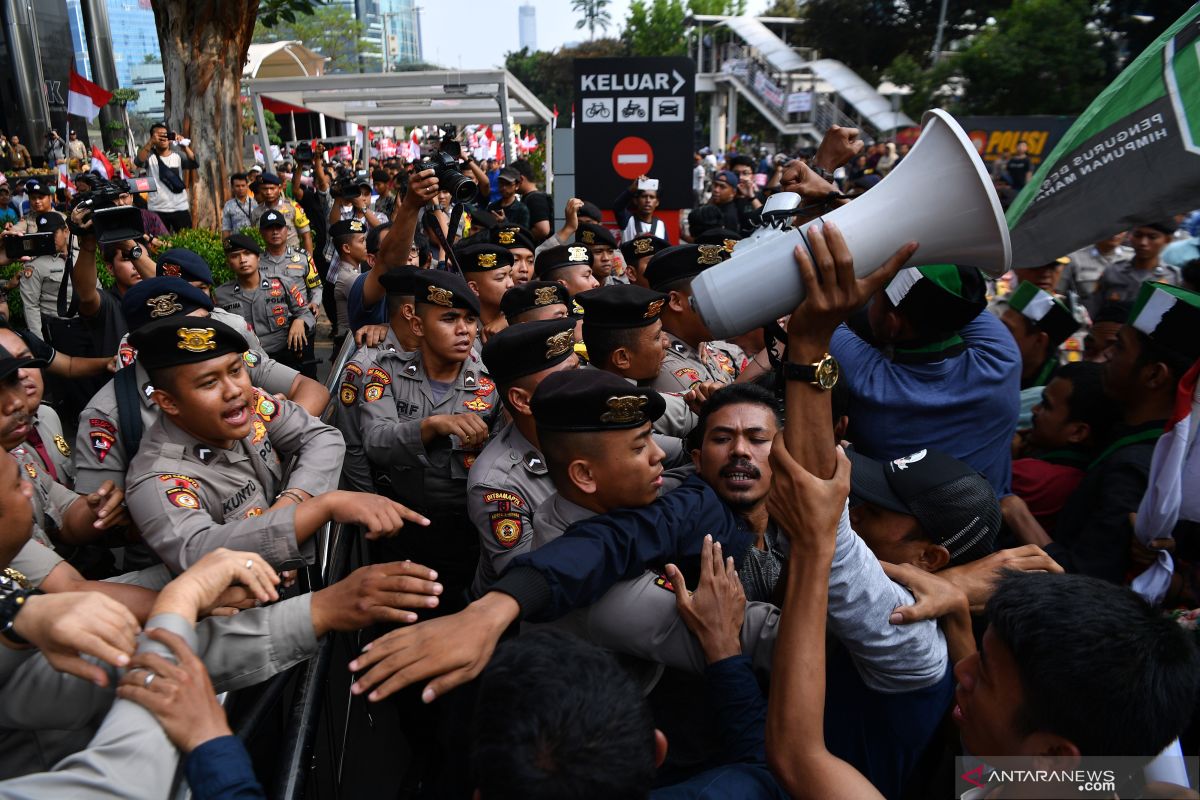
(634, 116)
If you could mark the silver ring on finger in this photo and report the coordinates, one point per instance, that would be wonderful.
(249, 563)
(149, 679)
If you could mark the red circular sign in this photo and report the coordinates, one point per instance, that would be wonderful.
(632, 156)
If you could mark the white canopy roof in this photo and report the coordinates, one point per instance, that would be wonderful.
(282, 60)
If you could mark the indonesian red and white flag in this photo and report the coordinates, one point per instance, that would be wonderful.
(1174, 490)
(85, 99)
(64, 179)
(101, 164)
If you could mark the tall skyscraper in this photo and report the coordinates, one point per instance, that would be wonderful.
(392, 31)
(134, 44)
(527, 27)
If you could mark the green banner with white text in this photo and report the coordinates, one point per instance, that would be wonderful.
(1132, 157)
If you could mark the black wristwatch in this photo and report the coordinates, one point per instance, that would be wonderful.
(15, 589)
(823, 374)
(135, 252)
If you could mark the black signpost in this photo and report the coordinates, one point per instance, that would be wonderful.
(634, 116)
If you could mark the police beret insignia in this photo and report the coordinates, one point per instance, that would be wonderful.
(251, 358)
(587, 237)
(643, 246)
(356, 226)
(62, 445)
(653, 309)
(196, 340)
(577, 254)
(709, 254)
(478, 404)
(486, 260)
(506, 236)
(506, 527)
(560, 343)
(545, 296)
(164, 305)
(183, 498)
(373, 392)
(624, 410)
(441, 297)
(729, 244)
(348, 394)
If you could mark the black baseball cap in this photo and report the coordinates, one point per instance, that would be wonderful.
(33, 186)
(272, 219)
(953, 503)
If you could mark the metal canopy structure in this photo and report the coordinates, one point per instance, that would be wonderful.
(411, 99)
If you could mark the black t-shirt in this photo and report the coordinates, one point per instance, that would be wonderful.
(1018, 170)
(541, 209)
(107, 325)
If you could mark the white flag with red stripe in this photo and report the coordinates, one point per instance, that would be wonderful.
(101, 164)
(84, 98)
(64, 179)
(1174, 490)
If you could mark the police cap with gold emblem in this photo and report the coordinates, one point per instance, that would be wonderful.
(399, 280)
(569, 255)
(240, 241)
(439, 288)
(530, 347)
(592, 234)
(179, 262)
(155, 298)
(681, 262)
(641, 246)
(533, 295)
(347, 227)
(174, 341)
(482, 257)
(722, 236)
(514, 237)
(580, 400)
(620, 306)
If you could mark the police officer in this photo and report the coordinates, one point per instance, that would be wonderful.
(104, 443)
(509, 480)
(636, 253)
(623, 332)
(602, 244)
(210, 471)
(42, 277)
(284, 260)
(41, 202)
(520, 244)
(487, 269)
(535, 300)
(570, 265)
(294, 219)
(349, 237)
(46, 436)
(423, 422)
(278, 312)
(179, 262)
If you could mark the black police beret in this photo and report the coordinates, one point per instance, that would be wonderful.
(530, 347)
(50, 222)
(681, 262)
(181, 263)
(514, 237)
(642, 246)
(240, 241)
(271, 179)
(621, 306)
(400, 280)
(347, 227)
(593, 400)
(440, 288)
(570, 255)
(272, 219)
(722, 236)
(155, 298)
(533, 294)
(590, 210)
(592, 234)
(174, 341)
(482, 257)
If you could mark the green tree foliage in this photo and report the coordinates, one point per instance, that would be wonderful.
(329, 30)
(655, 28)
(592, 14)
(551, 76)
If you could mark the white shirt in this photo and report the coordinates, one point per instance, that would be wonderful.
(164, 199)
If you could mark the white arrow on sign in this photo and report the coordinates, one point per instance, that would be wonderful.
(679, 81)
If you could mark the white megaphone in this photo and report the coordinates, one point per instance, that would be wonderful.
(939, 195)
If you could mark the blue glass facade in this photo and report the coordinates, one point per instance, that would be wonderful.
(134, 37)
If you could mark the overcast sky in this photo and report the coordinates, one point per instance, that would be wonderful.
(479, 38)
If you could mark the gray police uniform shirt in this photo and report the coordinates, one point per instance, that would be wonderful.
(1122, 282)
(49, 426)
(1087, 265)
(639, 617)
(188, 498)
(296, 269)
(99, 449)
(40, 282)
(683, 366)
(396, 396)
(507, 483)
(288, 209)
(50, 498)
(270, 308)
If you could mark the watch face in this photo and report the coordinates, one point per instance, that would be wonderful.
(827, 372)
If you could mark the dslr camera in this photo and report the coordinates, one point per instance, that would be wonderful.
(445, 167)
(449, 143)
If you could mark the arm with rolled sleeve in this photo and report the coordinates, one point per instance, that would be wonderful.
(318, 447)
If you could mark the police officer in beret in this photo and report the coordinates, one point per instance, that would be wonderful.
(282, 259)
(535, 300)
(691, 355)
(636, 253)
(277, 311)
(179, 262)
(423, 420)
(570, 265)
(622, 328)
(487, 269)
(520, 244)
(349, 237)
(210, 471)
(509, 480)
(270, 191)
(602, 244)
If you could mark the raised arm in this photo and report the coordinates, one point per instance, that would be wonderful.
(396, 245)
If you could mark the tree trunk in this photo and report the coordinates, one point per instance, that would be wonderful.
(204, 44)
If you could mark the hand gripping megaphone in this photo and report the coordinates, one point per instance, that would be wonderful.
(939, 195)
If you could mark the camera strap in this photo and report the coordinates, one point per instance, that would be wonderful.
(446, 241)
(65, 310)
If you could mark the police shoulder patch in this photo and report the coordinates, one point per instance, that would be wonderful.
(662, 582)
(378, 375)
(353, 369)
(485, 386)
(688, 374)
(102, 442)
(373, 392)
(251, 358)
(348, 393)
(265, 407)
(183, 498)
(506, 527)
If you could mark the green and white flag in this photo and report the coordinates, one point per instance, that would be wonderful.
(1132, 157)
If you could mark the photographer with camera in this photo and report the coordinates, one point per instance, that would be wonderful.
(165, 156)
(352, 200)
